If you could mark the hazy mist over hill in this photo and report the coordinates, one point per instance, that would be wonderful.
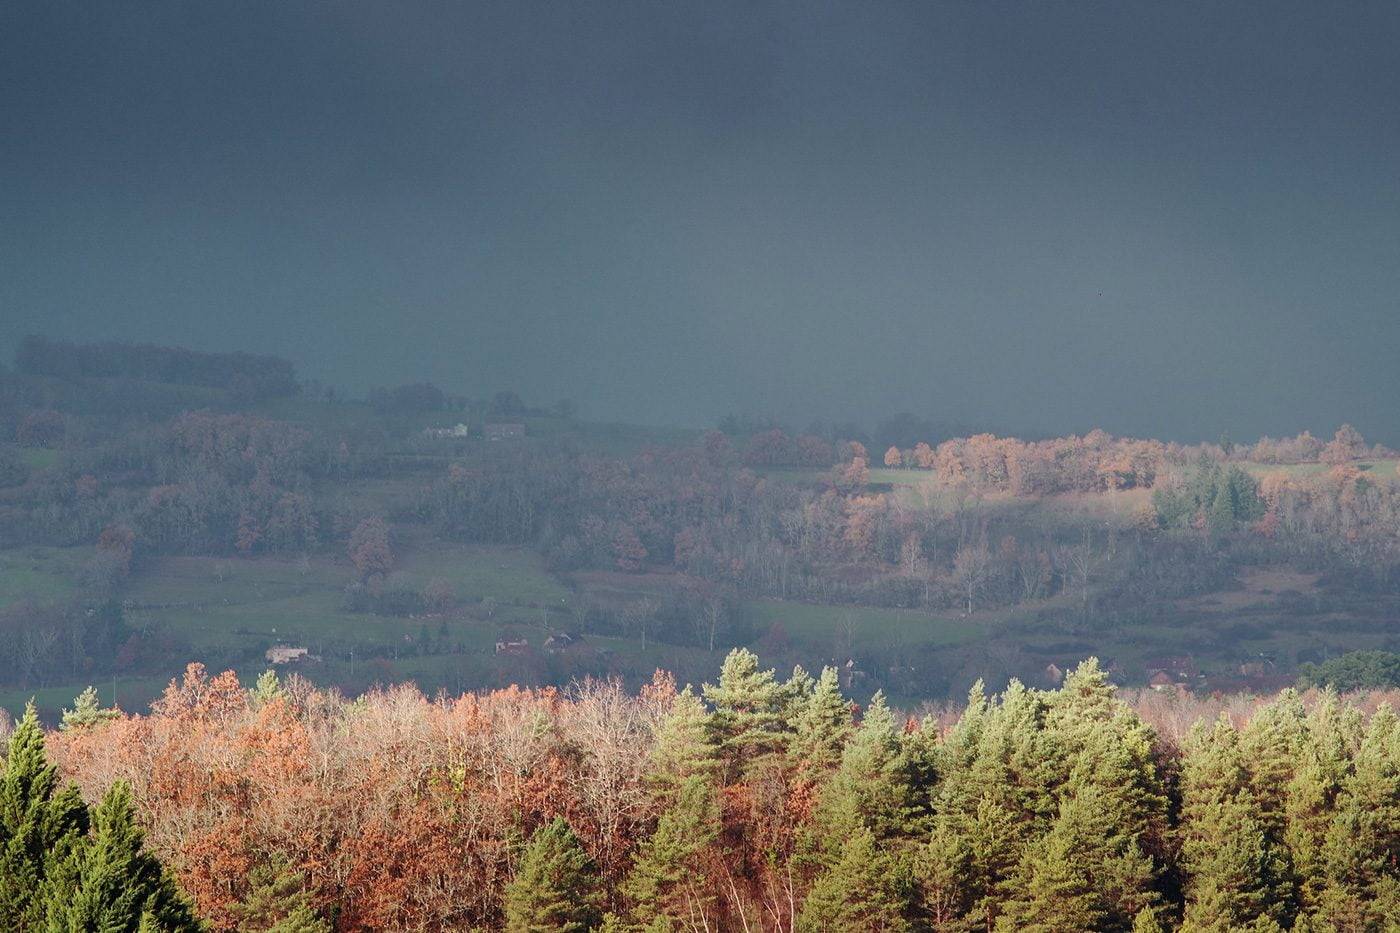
(1163, 219)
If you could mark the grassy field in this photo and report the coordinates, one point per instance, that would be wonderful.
(884, 476)
(132, 694)
(388, 497)
(41, 574)
(244, 605)
(225, 612)
(836, 629)
(1376, 469)
(510, 576)
(39, 458)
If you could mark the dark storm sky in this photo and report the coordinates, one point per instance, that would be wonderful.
(1166, 218)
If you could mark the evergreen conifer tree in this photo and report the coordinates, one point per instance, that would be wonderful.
(1147, 922)
(864, 889)
(120, 886)
(995, 842)
(555, 886)
(87, 711)
(683, 748)
(1362, 846)
(669, 881)
(1324, 760)
(1272, 743)
(1232, 872)
(798, 687)
(1220, 518)
(941, 871)
(1053, 891)
(267, 688)
(1086, 868)
(1017, 757)
(870, 789)
(750, 706)
(1235, 876)
(920, 758)
(1104, 745)
(277, 902)
(39, 829)
(820, 725)
(302, 919)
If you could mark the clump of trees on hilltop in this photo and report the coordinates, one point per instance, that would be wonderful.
(248, 376)
(758, 802)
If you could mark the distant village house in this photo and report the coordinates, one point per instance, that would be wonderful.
(1181, 669)
(457, 430)
(283, 654)
(505, 431)
(1163, 682)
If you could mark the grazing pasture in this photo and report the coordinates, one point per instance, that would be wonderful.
(834, 630)
(41, 574)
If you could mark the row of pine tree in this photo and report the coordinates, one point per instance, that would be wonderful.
(1038, 811)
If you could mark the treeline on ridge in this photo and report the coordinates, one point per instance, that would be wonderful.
(249, 376)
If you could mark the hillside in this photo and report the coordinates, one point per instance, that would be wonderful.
(222, 522)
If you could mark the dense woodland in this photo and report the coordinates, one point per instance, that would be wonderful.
(755, 802)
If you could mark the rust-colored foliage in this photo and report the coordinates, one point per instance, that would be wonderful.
(398, 812)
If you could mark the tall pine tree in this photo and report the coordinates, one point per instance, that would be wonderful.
(40, 829)
(277, 902)
(1361, 853)
(682, 749)
(869, 790)
(1234, 875)
(670, 879)
(864, 890)
(821, 724)
(87, 711)
(555, 887)
(1087, 873)
(749, 719)
(120, 886)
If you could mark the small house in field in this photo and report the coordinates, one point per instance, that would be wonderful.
(848, 674)
(505, 431)
(283, 654)
(1181, 668)
(1162, 682)
(457, 430)
(512, 646)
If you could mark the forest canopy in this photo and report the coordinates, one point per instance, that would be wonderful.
(759, 801)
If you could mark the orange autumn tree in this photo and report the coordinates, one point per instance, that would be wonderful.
(394, 811)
